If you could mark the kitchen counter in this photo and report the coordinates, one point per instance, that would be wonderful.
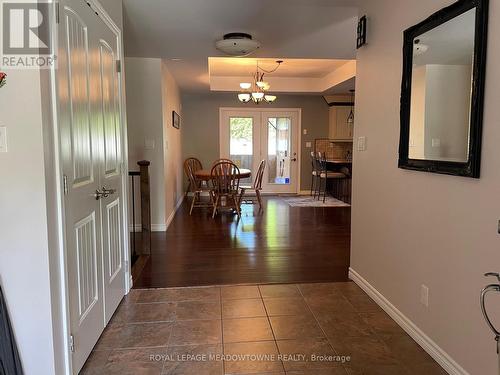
(339, 161)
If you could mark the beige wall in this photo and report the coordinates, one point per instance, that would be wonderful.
(201, 125)
(24, 251)
(152, 95)
(145, 125)
(411, 228)
(173, 172)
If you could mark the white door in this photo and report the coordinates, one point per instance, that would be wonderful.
(240, 139)
(249, 136)
(111, 172)
(90, 128)
(279, 147)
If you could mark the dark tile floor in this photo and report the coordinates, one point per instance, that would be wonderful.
(305, 329)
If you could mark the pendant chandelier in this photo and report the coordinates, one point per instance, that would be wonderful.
(257, 91)
(350, 119)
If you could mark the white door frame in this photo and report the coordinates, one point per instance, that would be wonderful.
(57, 229)
(263, 110)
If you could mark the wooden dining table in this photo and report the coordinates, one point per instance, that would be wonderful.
(206, 174)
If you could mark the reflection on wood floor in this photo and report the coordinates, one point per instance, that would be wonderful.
(281, 245)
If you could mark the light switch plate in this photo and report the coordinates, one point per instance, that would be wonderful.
(308, 144)
(305, 131)
(3, 139)
(424, 295)
(362, 144)
(149, 144)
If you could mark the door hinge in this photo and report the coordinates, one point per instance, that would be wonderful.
(58, 20)
(71, 343)
(118, 66)
(65, 184)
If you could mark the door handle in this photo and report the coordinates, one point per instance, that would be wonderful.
(108, 191)
(484, 292)
(104, 193)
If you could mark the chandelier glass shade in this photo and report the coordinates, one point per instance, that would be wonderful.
(257, 91)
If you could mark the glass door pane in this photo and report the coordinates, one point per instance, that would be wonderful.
(279, 141)
(241, 143)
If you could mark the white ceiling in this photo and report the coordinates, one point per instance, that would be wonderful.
(450, 43)
(188, 29)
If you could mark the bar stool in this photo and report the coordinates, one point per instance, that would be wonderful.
(326, 175)
(315, 172)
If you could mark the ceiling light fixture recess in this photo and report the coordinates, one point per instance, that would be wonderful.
(237, 44)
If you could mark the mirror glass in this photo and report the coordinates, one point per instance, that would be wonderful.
(441, 89)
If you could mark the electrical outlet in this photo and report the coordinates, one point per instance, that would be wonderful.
(305, 131)
(424, 295)
(149, 144)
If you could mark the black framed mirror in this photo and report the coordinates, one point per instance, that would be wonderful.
(442, 93)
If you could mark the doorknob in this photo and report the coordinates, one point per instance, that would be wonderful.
(484, 292)
(108, 191)
(104, 193)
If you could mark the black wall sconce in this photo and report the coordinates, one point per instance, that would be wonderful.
(361, 39)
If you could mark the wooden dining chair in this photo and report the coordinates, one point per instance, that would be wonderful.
(222, 160)
(197, 188)
(193, 164)
(225, 184)
(256, 186)
(326, 175)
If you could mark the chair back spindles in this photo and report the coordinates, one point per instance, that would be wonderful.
(194, 183)
(257, 184)
(193, 165)
(225, 178)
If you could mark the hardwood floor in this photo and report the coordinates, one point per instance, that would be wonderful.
(283, 245)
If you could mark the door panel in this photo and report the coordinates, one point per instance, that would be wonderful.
(114, 240)
(111, 176)
(79, 138)
(90, 138)
(280, 144)
(110, 109)
(78, 57)
(240, 139)
(87, 265)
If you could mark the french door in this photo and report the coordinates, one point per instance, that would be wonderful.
(249, 136)
(91, 157)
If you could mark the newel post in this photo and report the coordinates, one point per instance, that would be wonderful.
(145, 206)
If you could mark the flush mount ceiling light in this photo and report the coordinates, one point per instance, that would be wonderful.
(237, 44)
(419, 48)
(257, 92)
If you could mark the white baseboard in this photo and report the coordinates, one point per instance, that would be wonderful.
(158, 227)
(439, 355)
(154, 228)
(305, 192)
(172, 214)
